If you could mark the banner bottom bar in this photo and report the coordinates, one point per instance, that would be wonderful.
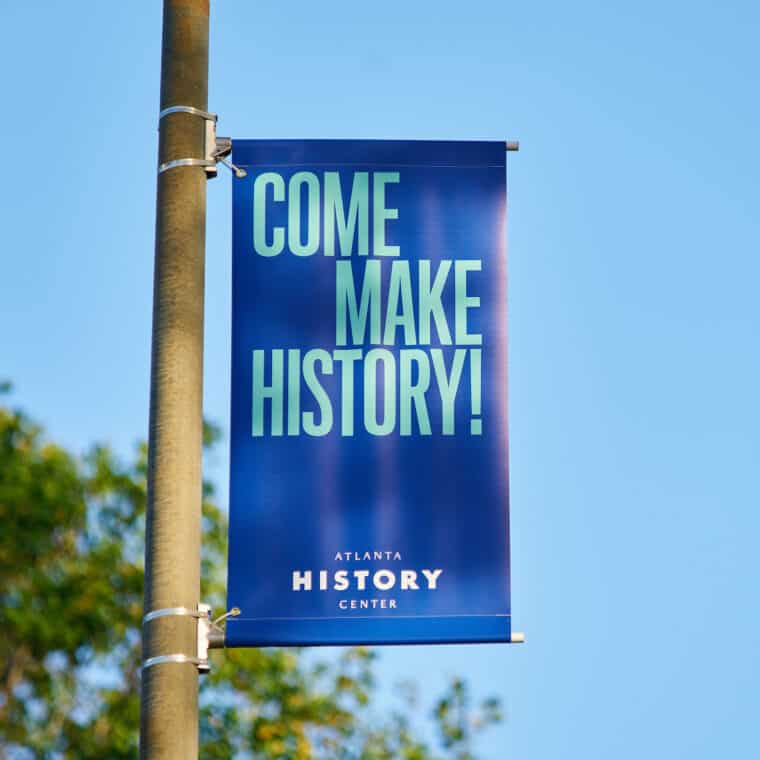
(241, 632)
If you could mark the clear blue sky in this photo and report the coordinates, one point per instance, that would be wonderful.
(634, 317)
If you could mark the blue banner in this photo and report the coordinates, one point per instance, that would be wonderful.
(369, 457)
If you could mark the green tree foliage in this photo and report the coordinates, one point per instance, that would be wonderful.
(71, 577)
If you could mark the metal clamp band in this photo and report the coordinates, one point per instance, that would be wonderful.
(187, 109)
(166, 611)
(166, 658)
(185, 162)
(204, 631)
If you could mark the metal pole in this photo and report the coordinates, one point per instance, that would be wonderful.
(169, 696)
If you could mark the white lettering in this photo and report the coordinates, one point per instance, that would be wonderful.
(409, 580)
(302, 580)
(432, 577)
(341, 580)
(361, 579)
(384, 580)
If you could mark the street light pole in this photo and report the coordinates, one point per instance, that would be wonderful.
(169, 692)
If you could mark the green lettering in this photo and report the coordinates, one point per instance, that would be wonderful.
(310, 359)
(358, 210)
(345, 302)
(261, 391)
(430, 304)
(400, 289)
(448, 384)
(347, 357)
(411, 393)
(260, 244)
(312, 213)
(464, 302)
(381, 214)
(294, 391)
(388, 384)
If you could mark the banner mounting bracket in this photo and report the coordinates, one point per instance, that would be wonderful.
(224, 149)
(209, 635)
(216, 149)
